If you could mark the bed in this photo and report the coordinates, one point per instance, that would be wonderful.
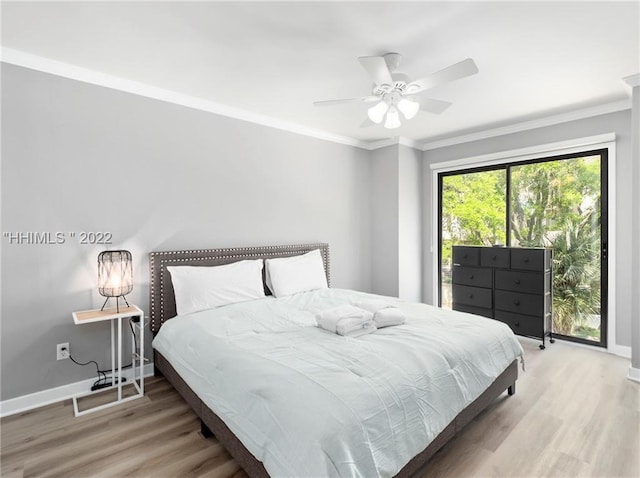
(286, 398)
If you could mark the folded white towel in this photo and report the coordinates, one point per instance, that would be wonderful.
(373, 305)
(356, 330)
(385, 314)
(346, 320)
(388, 316)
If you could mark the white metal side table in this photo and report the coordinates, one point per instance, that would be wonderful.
(116, 316)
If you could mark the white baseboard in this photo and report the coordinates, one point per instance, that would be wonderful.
(620, 350)
(634, 374)
(53, 395)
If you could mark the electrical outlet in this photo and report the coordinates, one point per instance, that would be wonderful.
(63, 351)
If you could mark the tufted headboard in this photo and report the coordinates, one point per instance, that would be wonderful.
(162, 300)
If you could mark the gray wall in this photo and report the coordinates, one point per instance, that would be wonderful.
(635, 258)
(619, 123)
(384, 205)
(410, 242)
(78, 157)
(396, 199)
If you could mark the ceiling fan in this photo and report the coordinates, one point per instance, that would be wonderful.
(394, 93)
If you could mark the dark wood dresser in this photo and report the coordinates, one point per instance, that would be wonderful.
(509, 284)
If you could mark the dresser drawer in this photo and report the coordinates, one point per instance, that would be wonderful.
(530, 259)
(495, 257)
(466, 256)
(475, 296)
(518, 281)
(473, 310)
(473, 276)
(521, 324)
(521, 303)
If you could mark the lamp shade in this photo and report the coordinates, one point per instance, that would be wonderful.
(408, 108)
(376, 113)
(393, 118)
(115, 273)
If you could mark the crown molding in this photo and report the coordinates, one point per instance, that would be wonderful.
(533, 124)
(383, 143)
(633, 80)
(86, 75)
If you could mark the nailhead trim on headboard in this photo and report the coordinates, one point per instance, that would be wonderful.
(161, 298)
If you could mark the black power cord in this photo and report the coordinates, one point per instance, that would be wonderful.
(102, 374)
(101, 382)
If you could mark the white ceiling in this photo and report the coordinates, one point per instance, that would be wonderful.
(535, 58)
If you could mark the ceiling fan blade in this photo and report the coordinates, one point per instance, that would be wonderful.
(459, 70)
(433, 106)
(363, 99)
(377, 68)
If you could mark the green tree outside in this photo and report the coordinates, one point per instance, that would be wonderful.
(473, 211)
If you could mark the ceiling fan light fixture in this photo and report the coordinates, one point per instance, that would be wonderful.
(393, 118)
(376, 113)
(408, 108)
(393, 92)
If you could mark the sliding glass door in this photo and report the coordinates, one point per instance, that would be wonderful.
(557, 202)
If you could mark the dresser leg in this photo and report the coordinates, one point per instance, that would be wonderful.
(542, 345)
(512, 389)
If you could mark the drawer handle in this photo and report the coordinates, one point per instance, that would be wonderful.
(516, 302)
(464, 257)
(493, 258)
(517, 324)
(471, 277)
(526, 259)
(517, 281)
(470, 296)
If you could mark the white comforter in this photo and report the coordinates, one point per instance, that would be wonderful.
(307, 402)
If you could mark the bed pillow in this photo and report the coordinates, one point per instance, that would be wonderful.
(206, 287)
(290, 275)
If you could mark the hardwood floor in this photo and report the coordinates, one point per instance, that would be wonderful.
(574, 414)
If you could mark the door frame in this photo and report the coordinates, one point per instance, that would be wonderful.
(604, 141)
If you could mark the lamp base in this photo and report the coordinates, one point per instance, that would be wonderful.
(117, 302)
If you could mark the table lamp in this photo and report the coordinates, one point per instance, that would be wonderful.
(115, 276)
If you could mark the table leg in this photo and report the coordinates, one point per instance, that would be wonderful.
(119, 358)
(141, 352)
(113, 352)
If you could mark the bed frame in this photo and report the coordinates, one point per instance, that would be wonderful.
(163, 308)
